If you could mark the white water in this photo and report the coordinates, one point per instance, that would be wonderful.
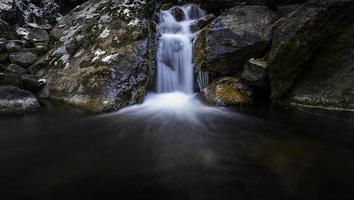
(174, 74)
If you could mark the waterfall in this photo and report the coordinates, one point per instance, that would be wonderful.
(174, 55)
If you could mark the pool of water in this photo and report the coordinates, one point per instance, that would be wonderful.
(258, 152)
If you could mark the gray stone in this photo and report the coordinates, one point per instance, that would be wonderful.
(24, 59)
(227, 44)
(32, 82)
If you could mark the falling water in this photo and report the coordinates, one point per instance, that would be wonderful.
(174, 56)
(174, 72)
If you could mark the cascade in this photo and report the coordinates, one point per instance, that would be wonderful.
(174, 55)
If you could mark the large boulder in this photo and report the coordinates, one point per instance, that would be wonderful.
(14, 100)
(233, 38)
(103, 60)
(299, 37)
(329, 81)
(227, 91)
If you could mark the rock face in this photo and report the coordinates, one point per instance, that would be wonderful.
(233, 38)
(329, 81)
(227, 91)
(102, 61)
(14, 100)
(297, 41)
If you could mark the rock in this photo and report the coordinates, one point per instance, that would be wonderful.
(32, 83)
(8, 79)
(298, 37)
(15, 69)
(104, 58)
(201, 23)
(228, 91)
(328, 81)
(14, 100)
(39, 50)
(36, 36)
(254, 72)
(178, 13)
(227, 44)
(24, 59)
(13, 47)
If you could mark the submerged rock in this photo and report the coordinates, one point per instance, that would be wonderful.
(226, 44)
(228, 91)
(14, 100)
(103, 60)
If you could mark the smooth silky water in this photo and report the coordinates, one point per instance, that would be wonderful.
(174, 147)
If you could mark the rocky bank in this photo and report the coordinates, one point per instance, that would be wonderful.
(100, 54)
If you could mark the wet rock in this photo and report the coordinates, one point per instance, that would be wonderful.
(228, 91)
(24, 59)
(298, 38)
(102, 60)
(201, 23)
(15, 69)
(14, 100)
(227, 44)
(32, 83)
(254, 72)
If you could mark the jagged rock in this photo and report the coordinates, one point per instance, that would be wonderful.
(15, 69)
(24, 59)
(102, 61)
(298, 38)
(227, 91)
(254, 73)
(14, 100)
(201, 23)
(227, 44)
(32, 82)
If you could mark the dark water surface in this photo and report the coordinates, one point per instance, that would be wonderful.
(255, 153)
